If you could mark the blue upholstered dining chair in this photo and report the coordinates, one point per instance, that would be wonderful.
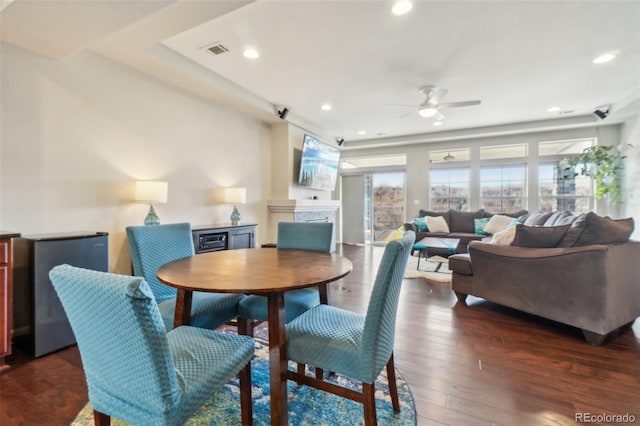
(352, 344)
(136, 371)
(153, 246)
(293, 235)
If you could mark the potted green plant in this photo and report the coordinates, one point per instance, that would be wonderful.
(604, 164)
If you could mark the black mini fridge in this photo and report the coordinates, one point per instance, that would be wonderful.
(48, 328)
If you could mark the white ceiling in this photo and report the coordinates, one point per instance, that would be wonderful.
(518, 58)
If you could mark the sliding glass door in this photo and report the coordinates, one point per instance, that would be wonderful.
(384, 206)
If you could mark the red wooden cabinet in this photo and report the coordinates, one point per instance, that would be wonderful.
(5, 300)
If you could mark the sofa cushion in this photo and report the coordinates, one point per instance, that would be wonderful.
(479, 224)
(560, 218)
(463, 221)
(539, 236)
(437, 224)
(604, 230)
(445, 215)
(420, 223)
(570, 238)
(498, 223)
(537, 218)
(504, 237)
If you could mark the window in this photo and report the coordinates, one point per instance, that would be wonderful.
(555, 193)
(503, 151)
(567, 147)
(503, 189)
(449, 189)
(377, 161)
(450, 155)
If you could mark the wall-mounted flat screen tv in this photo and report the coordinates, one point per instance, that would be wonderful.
(318, 165)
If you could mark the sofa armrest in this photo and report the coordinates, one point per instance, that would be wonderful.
(592, 287)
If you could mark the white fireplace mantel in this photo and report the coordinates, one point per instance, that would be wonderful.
(305, 210)
(290, 206)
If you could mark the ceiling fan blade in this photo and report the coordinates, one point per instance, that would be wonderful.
(458, 104)
(403, 116)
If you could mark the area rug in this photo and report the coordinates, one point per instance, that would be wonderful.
(427, 269)
(307, 406)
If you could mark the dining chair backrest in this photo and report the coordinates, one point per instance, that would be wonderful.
(379, 327)
(121, 338)
(306, 236)
(153, 246)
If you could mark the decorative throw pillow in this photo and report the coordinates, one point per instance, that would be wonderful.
(539, 236)
(504, 237)
(537, 217)
(437, 224)
(604, 230)
(498, 223)
(420, 223)
(479, 225)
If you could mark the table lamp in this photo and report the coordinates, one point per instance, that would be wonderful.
(235, 196)
(151, 192)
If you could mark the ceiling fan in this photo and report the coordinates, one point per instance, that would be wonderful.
(431, 106)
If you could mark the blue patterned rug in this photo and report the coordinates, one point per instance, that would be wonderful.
(307, 406)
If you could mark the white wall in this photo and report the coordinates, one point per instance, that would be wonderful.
(75, 134)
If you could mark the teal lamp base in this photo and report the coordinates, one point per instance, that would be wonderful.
(152, 218)
(235, 216)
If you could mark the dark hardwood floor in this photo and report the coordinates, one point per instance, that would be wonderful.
(481, 364)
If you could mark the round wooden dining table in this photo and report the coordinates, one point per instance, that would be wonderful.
(266, 271)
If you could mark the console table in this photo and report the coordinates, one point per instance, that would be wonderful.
(208, 238)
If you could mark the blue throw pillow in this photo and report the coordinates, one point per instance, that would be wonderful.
(479, 224)
(420, 223)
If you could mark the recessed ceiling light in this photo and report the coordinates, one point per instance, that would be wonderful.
(326, 107)
(250, 53)
(362, 132)
(605, 58)
(554, 109)
(437, 123)
(401, 7)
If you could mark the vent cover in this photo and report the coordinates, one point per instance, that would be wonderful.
(217, 49)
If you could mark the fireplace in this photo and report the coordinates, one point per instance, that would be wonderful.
(300, 211)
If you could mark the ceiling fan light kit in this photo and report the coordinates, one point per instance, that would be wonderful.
(431, 106)
(428, 112)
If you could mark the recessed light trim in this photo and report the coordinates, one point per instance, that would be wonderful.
(604, 58)
(553, 109)
(437, 123)
(326, 107)
(401, 7)
(250, 53)
(362, 132)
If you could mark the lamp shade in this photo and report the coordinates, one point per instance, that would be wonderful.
(151, 191)
(235, 195)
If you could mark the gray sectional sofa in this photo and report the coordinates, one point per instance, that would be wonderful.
(580, 270)
(461, 226)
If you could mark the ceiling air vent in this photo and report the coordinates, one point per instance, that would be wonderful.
(217, 49)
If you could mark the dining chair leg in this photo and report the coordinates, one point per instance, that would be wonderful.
(369, 402)
(393, 385)
(101, 419)
(246, 404)
(245, 327)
